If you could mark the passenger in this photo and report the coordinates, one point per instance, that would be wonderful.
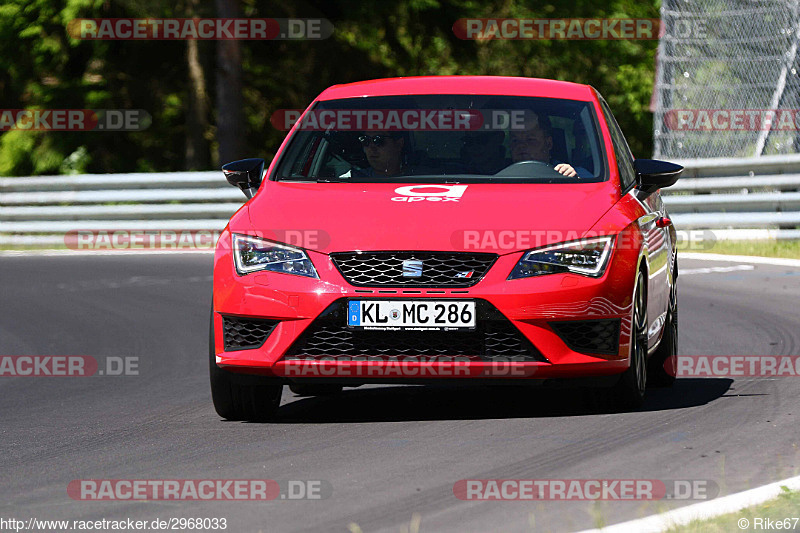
(385, 153)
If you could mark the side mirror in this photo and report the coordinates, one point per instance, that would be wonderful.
(245, 174)
(652, 174)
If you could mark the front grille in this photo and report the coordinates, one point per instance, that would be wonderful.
(589, 336)
(439, 269)
(494, 338)
(246, 333)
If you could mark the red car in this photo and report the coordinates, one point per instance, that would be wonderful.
(487, 229)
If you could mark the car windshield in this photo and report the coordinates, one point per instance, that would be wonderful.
(446, 139)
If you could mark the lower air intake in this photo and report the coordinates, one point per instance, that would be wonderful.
(590, 336)
(246, 333)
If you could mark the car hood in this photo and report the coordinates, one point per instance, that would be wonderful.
(497, 218)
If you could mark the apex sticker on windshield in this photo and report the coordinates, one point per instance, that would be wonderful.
(431, 193)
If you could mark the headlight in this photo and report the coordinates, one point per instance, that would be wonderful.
(588, 257)
(252, 254)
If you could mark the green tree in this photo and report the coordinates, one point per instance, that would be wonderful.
(180, 86)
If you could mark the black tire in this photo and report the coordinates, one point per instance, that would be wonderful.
(628, 393)
(242, 396)
(663, 364)
(310, 389)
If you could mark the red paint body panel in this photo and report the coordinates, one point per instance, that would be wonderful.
(357, 216)
(500, 85)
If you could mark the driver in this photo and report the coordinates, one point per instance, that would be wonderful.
(534, 142)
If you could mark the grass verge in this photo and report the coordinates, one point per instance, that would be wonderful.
(786, 249)
(784, 509)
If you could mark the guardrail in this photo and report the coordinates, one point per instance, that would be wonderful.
(40, 210)
(738, 198)
(740, 166)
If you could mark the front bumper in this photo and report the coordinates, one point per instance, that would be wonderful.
(540, 309)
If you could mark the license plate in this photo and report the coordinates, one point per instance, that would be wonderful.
(411, 314)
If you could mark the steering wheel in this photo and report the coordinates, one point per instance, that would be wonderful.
(530, 169)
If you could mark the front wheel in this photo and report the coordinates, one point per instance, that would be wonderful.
(663, 366)
(242, 396)
(628, 393)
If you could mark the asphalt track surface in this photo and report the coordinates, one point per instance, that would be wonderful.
(390, 453)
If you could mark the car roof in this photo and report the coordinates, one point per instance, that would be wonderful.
(491, 85)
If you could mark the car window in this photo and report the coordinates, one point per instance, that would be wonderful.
(445, 138)
(621, 150)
